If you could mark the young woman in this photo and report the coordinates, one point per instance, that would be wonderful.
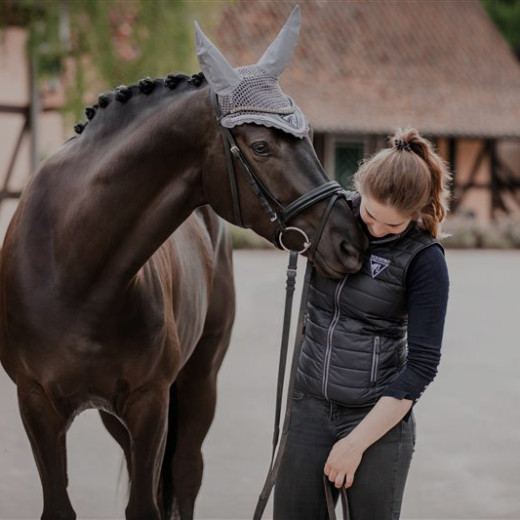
(371, 344)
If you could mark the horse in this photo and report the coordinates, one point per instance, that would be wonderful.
(116, 280)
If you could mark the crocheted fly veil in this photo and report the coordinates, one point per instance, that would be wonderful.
(251, 94)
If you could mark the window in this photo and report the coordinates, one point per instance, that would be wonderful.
(346, 161)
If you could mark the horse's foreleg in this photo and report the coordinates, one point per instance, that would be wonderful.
(145, 417)
(196, 401)
(46, 428)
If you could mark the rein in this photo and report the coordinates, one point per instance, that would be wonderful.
(281, 216)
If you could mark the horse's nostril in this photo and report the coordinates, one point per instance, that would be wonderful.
(349, 249)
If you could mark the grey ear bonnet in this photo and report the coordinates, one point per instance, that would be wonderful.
(251, 94)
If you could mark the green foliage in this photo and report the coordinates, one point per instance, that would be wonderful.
(246, 239)
(506, 15)
(104, 43)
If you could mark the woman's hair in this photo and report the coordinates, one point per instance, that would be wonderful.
(409, 176)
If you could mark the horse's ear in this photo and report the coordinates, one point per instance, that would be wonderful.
(218, 71)
(279, 54)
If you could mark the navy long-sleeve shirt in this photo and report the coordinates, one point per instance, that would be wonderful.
(427, 287)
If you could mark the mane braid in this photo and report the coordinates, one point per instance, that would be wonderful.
(145, 86)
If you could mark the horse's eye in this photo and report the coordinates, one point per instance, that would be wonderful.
(261, 148)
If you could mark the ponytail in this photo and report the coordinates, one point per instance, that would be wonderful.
(410, 176)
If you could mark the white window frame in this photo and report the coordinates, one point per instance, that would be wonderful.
(330, 147)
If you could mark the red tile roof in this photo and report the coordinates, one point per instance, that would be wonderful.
(371, 66)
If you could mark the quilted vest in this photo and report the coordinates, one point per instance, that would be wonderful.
(354, 339)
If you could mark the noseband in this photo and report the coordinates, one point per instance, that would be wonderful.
(278, 214)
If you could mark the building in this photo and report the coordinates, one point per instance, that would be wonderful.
(362, 69)
(31, 125)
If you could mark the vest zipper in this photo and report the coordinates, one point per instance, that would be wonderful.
(330, 333)
(375, 359)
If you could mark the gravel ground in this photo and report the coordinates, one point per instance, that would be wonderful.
(466, 464)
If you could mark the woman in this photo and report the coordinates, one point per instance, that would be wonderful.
(371, 344)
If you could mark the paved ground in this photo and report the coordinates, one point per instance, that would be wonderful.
(467, 460)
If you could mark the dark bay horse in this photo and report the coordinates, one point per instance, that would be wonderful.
(116, 283)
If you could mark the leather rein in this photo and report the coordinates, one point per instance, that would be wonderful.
(280, 216)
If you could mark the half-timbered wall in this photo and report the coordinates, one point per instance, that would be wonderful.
(478, 192)
(15, 140)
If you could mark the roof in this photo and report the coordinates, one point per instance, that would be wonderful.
(371, 66)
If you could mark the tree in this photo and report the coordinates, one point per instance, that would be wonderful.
(506, 15)
(99, 44)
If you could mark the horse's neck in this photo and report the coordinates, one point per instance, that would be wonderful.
(138, 188)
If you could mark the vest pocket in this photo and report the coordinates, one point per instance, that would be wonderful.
(375, 359)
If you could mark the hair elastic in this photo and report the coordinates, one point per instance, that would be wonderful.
(402, 145)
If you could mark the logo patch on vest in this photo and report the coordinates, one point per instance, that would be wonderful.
(377, 265)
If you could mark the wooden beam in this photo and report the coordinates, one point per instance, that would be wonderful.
(452, 164)
(34, 112)
(473, 173)
(12, 162)
(503, 167)
(496, 197)
(4, 194)
(11, 109)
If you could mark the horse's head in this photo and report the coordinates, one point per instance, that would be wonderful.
(279, 189)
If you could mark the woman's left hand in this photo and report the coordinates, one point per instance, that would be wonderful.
(343, 461)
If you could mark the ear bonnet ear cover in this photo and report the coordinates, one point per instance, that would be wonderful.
(251, 94)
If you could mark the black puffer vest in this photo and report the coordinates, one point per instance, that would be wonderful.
(354, 341)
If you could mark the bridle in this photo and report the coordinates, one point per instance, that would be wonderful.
(281, 216)
(278, 214)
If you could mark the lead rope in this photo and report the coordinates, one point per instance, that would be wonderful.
(331, 507)
(289, 291)
(277, 456)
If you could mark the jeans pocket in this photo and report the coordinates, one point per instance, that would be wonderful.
(408, 429)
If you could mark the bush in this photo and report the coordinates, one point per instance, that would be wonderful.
(512, 230)
(247, 239)
(467, 232)
(462, 233)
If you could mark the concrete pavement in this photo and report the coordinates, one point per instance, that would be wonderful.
(467, 459)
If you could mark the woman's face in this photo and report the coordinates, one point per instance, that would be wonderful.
(382, 219)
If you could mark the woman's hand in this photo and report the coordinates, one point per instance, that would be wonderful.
(345, 456)
(343, 461)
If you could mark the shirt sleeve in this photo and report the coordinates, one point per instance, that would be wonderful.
(427, 288)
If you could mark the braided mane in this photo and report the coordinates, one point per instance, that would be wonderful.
(145, 86)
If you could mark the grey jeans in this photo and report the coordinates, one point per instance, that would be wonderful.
(316, 424)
